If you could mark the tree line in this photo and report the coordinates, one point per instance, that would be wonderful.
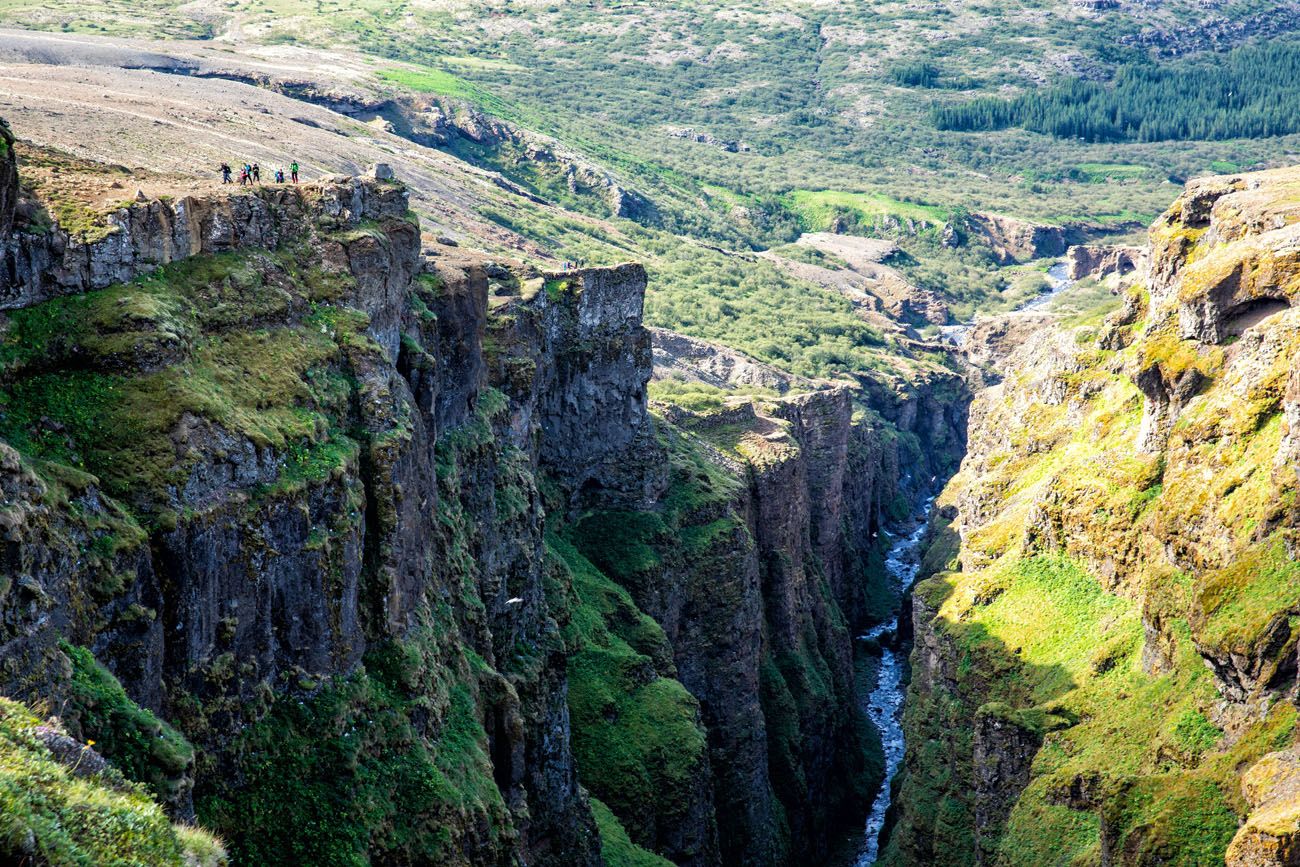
(1249, 92)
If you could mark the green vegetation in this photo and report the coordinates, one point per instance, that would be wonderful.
(616, 847)
(636, 734)
(761, 310)
(1086, 302)
(1051, 644)
(1067, 627)
(443, 83)
(343, 777)
(817, 210)
(54, 813)
(144, 748)
(68, 396)
(1239, 94)
(1240, 601)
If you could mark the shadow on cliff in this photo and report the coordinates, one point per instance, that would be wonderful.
(977, 713)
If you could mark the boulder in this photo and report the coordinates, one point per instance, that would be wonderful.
(1270, 836)
(1099, 261)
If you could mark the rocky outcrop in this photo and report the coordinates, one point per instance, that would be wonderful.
(442, 122)
(1215, 32)
(40, 263)
(8, 180)
(1014, 240)
(1099, 261)
(1271, 835)
(677, 355)
(261, 569)
(729, 145)
(1141, 472)
(1004, 749)
(992, 340)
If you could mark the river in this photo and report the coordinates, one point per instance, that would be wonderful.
(1057, 280)
(885, 701)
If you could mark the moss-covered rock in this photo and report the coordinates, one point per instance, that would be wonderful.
(61, 805)
(1122, 626)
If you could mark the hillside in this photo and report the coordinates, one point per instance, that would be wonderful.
(1116, 582)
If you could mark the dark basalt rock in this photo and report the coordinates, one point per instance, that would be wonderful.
(8, 180)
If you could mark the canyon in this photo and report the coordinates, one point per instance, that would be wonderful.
(341, 525)
(301, 511)
(1105, 664)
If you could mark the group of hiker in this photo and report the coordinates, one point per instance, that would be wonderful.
(251, 173)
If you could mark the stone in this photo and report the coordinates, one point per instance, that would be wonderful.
(1015, 240)
(1270, 836)
(1099, 261)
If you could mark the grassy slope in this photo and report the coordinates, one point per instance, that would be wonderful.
(811, 89)
(1034, 634)
(67, 818)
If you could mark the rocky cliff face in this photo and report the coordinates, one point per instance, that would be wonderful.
(1013, 240)
(365, 557)
(8, 181)
(1120, 624)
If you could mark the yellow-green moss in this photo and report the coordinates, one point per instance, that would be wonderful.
(50, 814)
(1239, 601)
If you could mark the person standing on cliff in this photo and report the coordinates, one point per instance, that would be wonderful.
(293, 171)
(257, 173)
(225, 173)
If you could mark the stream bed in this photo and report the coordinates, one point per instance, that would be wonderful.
(1057, 280)
(884, 704)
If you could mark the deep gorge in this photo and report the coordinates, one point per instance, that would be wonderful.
(360, 547)
(339, 520)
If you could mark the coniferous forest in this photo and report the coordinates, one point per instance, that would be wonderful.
(1251, 91)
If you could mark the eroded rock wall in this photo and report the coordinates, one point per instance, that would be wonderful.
(1124, 530)
(363, 529)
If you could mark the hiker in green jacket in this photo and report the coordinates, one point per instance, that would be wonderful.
(293, 171)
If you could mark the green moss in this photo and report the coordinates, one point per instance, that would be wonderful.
(636, 735)
(100, 381)
(345, 778)
(76, 820)
(1240, 601)
(140, 745)
(1183, 819)
(616, 847)
(556, 288)
(621, 543)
